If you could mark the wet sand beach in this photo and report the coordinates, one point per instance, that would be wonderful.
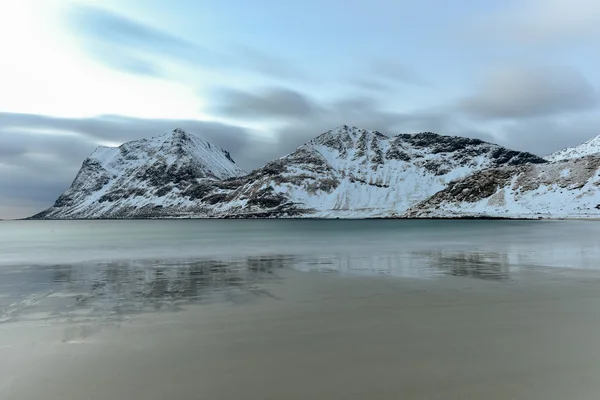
(323, 336)
(382, 310)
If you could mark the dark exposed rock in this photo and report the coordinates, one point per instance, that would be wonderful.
(184, 173)
(228, 156)
(361, 146)
(116, 195)
(198, 191)
(283, 213)
(215, 198)
(377, 157)
(160, 192)
(335, 143)
(467, 147)
(502, 156)
(272, 168)
(293, 179)
(379, 135)
(267, 198)
(439, 143)
(436, 167)
(479, 185)
(63, 200)
(159, 174)
(310, 160)
(394, 153)
(325, 185)
(354, 179)
(155, 174)
(232, 183)
(126, 152)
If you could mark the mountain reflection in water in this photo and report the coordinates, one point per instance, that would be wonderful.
(112, 290)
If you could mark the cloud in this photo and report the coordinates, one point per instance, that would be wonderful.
(372, 85)
(41, 155)
(365, 112)
(546, 135)
(299, 118)
(522, 92)
(274, 102)
(126, 61)
(535, 21)
(386, 77)
(537, 134)
(395, 72)
(37, 168)
(256, 60)
(110, 128)
(131, 45)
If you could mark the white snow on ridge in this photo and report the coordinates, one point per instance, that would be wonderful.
(211, 160)
(356, 173)
(590, 147)
(564, 189)
(346, 172)
(143, 174)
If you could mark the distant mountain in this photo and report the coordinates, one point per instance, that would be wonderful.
(345, 172)
(143, 178)
(568, 188)
(590, 147)
(358, 173)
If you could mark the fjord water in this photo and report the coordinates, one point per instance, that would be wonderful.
(270, 309)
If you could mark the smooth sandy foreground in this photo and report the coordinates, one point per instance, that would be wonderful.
(325, 336)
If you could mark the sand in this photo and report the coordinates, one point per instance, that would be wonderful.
(326, 336)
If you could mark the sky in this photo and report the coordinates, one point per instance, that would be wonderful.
(259, 78)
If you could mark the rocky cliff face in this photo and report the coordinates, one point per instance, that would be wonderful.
(346, 172)
(569, 188)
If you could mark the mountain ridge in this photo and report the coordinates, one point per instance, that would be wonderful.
(142, 174)
(562, 189)
(344, 172)
(353, 172)
(587, 148)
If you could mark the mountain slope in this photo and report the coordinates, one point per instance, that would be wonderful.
(568, 188)
(143, 177)
(345, 172)
(351, 172)
(590, 147)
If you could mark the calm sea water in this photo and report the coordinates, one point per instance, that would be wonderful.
(113, 268)
(569, 244)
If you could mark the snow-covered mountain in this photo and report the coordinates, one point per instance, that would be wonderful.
(568, 188)
(143, 177)
(592, 146)
(351, 172)
(345, 172)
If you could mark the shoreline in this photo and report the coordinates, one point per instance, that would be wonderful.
(465, 218)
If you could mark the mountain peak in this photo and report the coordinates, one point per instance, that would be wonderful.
(178, 136)
(345, 135)
(352, 130)
(145, 175)
(587, 148)
(178, 132)
(346, 171)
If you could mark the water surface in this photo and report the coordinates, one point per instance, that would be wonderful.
(269, 309)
